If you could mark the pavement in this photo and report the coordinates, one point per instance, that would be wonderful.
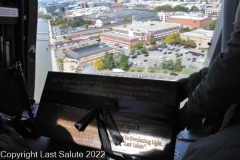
(53, 55)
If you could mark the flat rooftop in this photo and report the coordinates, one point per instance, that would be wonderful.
(188, 17)
(123, 36)
(88, 51)
(147, 26)
(199, 33)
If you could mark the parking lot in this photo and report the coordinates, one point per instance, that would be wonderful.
(155, 58)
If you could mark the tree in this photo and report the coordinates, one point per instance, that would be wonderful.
(152, 40)
(75, 24)
(138, 45)
(192, 44)
(194, 9)
(173, 38)
(180, 8)
(117, 61)
(164, 64)
(164, 8)
(127, 20)
(186, 29)
(178, 65)
(170, 38)
(60, 65)
(86, 44)
(211, 26)
(64, 51)
(132, 51)
(98, 64)
(143, 50)
(124, 62)
(170, 65)
(164, 42)
(86, 26)
(108, 61)
(75, 47)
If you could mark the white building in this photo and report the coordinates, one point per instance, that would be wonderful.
(213, 10)
(164, 15)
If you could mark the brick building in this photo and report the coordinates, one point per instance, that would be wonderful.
(128, 35)
(116, 38)
(193, 22)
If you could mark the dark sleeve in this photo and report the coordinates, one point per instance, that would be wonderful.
(196, 78)
(220, 87)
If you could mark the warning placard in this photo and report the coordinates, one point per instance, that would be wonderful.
(8, 12)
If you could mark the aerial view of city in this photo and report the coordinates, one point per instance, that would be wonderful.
(161, 40)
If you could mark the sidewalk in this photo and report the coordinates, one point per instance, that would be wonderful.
(53, 55)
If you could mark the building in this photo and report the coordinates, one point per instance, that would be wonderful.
(200, 36)
(213, 10)
(88, 54)
(145, 17)
(190, 21)
(125, 41)
(109, 20)
(100, 3)
(164, 15)
(127, 35)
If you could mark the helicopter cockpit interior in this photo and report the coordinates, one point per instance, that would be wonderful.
(18, 29)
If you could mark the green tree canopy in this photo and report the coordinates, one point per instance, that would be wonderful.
(124, 62)
(211, 26)
(165, 8)
(178, 65)
(107, 60)
(138, 45)
(132, 51)
(170, 65)
(186, 29)
(152, 40)
(194, 9)
(180, 8)
(164, 64)
(143, 50)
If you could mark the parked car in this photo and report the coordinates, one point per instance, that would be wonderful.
(173, 74)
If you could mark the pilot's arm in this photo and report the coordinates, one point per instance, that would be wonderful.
(220, 87)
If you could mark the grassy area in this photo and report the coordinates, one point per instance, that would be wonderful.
(136, 69)
(189, 70)
(184, 71)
